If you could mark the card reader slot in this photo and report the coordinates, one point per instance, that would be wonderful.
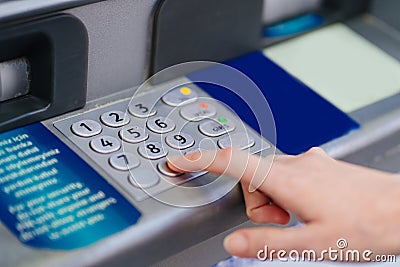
(44, 62)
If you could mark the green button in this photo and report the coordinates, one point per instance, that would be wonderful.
(222, 120)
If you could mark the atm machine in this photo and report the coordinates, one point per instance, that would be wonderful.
(94, 95)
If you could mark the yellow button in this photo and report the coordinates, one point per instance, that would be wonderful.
(186, 90)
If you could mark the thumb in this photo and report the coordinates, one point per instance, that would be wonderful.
(253, 242)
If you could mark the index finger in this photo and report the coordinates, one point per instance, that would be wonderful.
(251, 169)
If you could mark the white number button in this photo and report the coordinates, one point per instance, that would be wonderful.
(115, 119)
(179, 141)
(133, 134)
(105, 144)
(161, 125)
(124, 161)
(141, 110)
(152, 150)
(86, 128)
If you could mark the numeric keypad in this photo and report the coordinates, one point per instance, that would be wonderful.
(132, 146)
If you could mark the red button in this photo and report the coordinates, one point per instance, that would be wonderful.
(203, 105)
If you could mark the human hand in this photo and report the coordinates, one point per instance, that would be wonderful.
(334, 199)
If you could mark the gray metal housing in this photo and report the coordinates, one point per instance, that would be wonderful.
(118, 60)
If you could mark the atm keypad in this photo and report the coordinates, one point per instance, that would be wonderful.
(132, 147)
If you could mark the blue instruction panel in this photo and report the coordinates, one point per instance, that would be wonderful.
(51, 198)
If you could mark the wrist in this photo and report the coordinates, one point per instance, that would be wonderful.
(392, 218)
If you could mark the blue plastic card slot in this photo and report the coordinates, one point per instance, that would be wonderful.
(294, 26)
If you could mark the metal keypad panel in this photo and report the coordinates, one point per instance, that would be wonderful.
(131, 139)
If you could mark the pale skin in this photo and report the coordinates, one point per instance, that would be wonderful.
(334, 199)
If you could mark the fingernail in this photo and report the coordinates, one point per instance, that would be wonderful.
(173, 158)
(252, 188)
(172, 164)
(236, 244)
